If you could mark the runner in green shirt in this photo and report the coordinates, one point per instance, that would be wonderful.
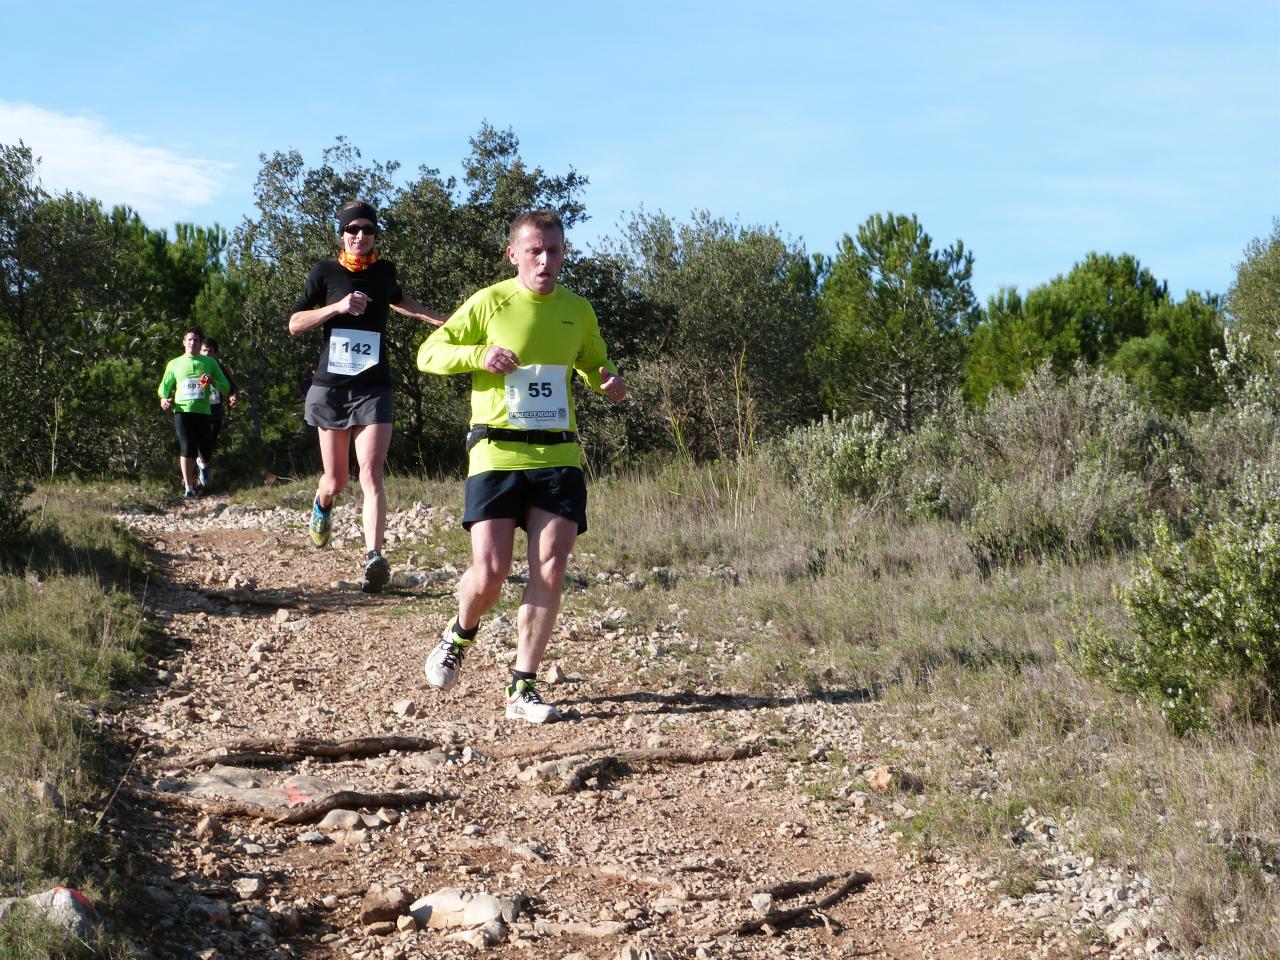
(521, 340)
(184, 389)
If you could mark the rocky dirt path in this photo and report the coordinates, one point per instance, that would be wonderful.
(682, 847)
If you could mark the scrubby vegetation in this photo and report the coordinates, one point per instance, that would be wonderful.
(71, 633)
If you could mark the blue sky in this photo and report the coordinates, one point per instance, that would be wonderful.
(1034, 132)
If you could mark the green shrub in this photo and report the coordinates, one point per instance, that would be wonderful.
(1206, 620)
(1235, 439)
(1069, 468)
(836, 460)
(1053, 426)
(1090, 512)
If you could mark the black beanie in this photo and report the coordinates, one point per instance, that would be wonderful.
(357, 210)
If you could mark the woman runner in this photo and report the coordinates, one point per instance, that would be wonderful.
(350, 397)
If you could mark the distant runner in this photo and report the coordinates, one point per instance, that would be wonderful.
(185, 388)
(209, 348)
(520, 340)
(351, 395)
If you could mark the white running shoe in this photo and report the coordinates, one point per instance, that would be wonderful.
(445, 659)
(525, 703)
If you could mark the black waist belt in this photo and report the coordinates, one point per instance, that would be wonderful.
(476, 434)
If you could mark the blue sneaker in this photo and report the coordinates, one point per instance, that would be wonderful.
(319, 526)
(203, 479)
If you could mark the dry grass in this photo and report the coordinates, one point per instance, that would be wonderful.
(969, 670)
(973, 691)
(69, 633)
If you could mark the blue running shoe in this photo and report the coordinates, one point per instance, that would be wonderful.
(319, 526)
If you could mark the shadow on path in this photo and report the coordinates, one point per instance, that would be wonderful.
(644, 702)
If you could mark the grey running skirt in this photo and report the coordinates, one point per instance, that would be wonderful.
(341, 408)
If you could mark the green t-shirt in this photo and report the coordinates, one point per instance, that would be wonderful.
(553, 335)
(182, 382)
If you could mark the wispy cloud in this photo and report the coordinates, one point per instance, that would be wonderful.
(79, 153)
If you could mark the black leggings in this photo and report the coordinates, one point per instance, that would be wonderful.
(195, 435)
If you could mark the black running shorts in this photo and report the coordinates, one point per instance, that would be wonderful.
(341, 408)
(508, 495)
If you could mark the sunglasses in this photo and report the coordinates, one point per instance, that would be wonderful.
(354, 229)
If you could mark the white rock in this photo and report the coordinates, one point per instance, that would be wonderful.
(341, 820)
(63, 907)
(483, 937)
(249, 888)
(454, 907)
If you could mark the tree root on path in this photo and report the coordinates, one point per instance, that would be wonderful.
(266, 751)
(575, 779)
(256, 598)
(574, 928)
(303, 813)
(619, 871)
(682, 755)
(792, 888)
(775, 920)
(526, 751)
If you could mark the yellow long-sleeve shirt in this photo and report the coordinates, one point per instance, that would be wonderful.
(552, 335)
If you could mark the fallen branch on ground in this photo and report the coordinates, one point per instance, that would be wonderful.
(343, 799)
(777, 919)
(265, 751)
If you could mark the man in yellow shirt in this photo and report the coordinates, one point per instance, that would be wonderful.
(521, 340)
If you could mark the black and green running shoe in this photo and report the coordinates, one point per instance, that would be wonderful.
(524, 702)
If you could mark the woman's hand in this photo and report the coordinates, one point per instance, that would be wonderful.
(355, 303)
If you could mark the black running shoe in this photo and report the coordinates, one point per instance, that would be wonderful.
(377, 572)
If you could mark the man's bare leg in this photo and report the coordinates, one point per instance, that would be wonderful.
(492, 544)
(551, 540)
